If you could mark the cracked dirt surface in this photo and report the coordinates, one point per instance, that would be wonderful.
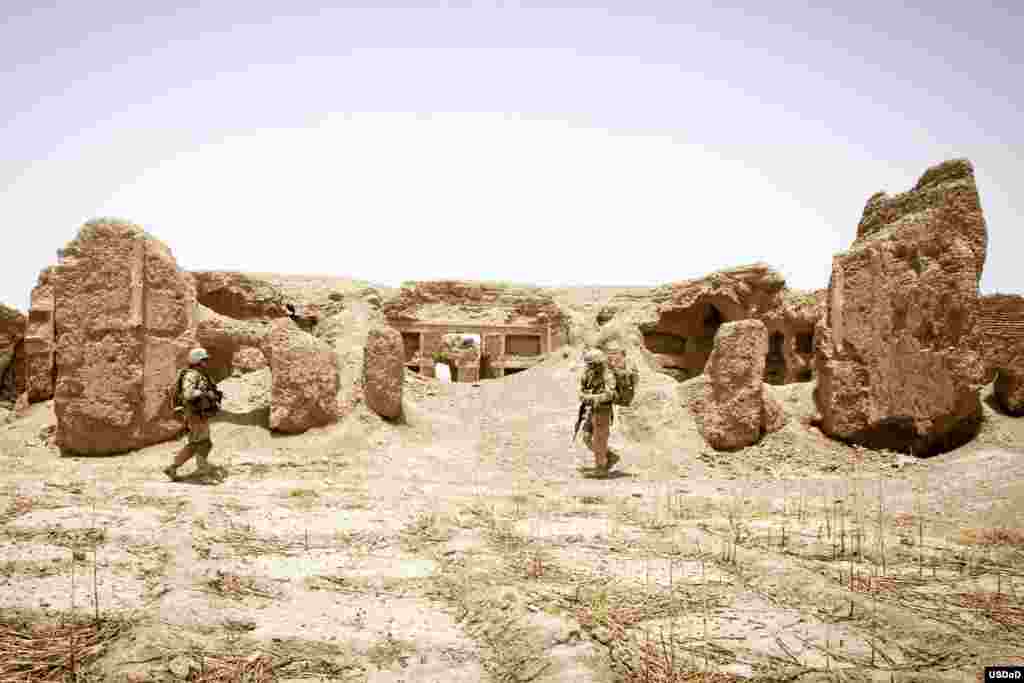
(463, 543)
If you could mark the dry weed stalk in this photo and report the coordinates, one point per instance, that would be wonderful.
(660, 662)
(40, 653)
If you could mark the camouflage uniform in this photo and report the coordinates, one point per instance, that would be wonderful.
(597, 386)
(194, 384)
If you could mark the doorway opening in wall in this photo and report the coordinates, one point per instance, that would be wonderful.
(712, 320)
(411, 344)
(805, 342)
(443, 372)
(660, 342)
(775, 361)
(8, 376)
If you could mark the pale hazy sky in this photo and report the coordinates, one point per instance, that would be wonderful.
(630, 143)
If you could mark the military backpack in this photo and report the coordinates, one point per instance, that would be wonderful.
(627, 377)
(203, 406)
(174, 398)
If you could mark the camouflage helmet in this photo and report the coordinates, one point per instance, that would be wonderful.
(196, 356)
(594, 357)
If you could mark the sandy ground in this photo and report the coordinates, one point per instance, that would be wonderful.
(465, 543)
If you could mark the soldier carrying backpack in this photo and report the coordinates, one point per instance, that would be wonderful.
(607, 381)
(597, 393)
(196, 398)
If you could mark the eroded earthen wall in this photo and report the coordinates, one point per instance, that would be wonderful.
(40, 340)
(999, 336)
(679, 321)
(894, 357)
(124, 313)
(12, 334)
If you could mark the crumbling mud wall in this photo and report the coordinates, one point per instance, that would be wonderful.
(239, 295)
(999, 337)
(894, 357)
(517, 326)
(113, 322)
(12, 334)
(679, 320)
(40, 340)
(125, 316)
(731, 408)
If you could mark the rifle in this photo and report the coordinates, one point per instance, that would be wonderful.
(579, 420)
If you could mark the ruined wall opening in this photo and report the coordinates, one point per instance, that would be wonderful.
(522, 345)
(712, 320)
(671, 350)
(411, 344)
(659, 342)
(775, 361)
(8, 376)
(805, 342)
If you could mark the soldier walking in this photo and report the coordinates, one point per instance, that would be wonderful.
(597, 392)
(200, 400)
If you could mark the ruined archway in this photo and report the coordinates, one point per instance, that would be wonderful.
(303, 369)
(712, 320)
(682, 339)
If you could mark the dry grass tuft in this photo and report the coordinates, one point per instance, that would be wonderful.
(234, 669)
(992, 536)
(249, 544)
(234, 586)
(999, 607)
(53, 652)
(659, 664)
(423, 530)
(883, 584)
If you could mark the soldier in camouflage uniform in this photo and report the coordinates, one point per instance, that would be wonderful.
(597, 391)
(199, 395)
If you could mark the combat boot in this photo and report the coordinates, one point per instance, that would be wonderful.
(202, 466)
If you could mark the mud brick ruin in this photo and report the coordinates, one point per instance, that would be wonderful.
(898, 345)
(999, 335)
(517, 326)
(679, 321)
